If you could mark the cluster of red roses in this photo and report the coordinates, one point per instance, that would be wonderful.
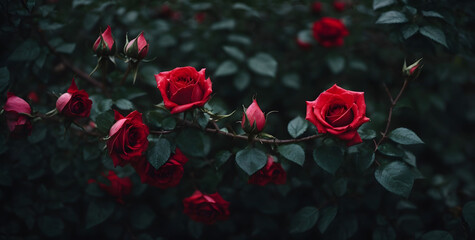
(327, 31)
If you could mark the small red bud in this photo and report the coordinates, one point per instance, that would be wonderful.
(253, 120)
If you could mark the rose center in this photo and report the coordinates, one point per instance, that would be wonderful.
(339, 115)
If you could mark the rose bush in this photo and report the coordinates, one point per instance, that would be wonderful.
(75, 103)
(329, 32)
(184, 88)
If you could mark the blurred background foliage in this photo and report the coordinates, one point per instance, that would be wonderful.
(249, 48)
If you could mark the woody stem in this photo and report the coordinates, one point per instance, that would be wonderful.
(125, 75)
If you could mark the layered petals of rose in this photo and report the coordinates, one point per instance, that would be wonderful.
(184, 88)
(339, 112)
(127, 139)
(166, 176)
(142, 47)
(108, 40)
(18, 124)
(329, 32)
(272, 172)
(116, 186)
(74, 103)
(206, 208)
(256, 117)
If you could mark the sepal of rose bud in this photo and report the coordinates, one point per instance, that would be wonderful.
(137, 48)
(105, 44)
(412, 71)
(253, 119)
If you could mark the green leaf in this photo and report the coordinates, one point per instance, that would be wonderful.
(434, 33)
(469, 214)
(328, 157)
(195, 229)
(364, 158)
(389, 149)
(391, 17)
(336, 63)
(51, 226)
(124, 104)
(242, 80)
(226, 68)
(37, 135)
(291, 80)
(202, 119)
(193, 142)
(409, 30)
(263, 64)
(158, 152)
(251, 160)
(377, 4)
(98, 212)
(27, 51)
(396, 177)
(104, 121)
(339, 187)
(297, 126)
(293, 152)
(67, 48)
(432, 14)
(437, 235)
(327, 216)
(245, 7)
(366, 133)
(404, 136)
(222, 157)
(228, 24)
(234, 52)
(304, 220)
(141, 216)
(4, 79)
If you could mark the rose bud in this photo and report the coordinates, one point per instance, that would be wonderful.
(105, 44)
(74, 103)
(206, 208)
(339, 112)
(137, 48)
(329, 32)
(33, 96)
(166, 176)
(413, 71)
(200, 17)
(253, 119)
(116, 186)
(18, 124)
(338, 6)
(127, 138)
(272, 172)
(184, 88)
(316, 7)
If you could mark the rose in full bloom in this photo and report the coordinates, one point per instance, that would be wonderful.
(127, 138)
(338, 6)
(339, 112)
(316, 7)
(184, 88)
(18, 124)
(253, 119)
(137, 48)
(167, 175)
(329, 32)
(206, 208)
(272, 172)
(74, 103)
(116, 186)
(105, 44)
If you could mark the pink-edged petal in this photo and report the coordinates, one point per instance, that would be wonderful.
(63, 101)
(116, 127)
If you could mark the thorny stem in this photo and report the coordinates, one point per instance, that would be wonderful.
(125, 76)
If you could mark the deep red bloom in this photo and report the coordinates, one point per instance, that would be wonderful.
(329, 32)
(272, 172)
(339, 112)
(167, 175)
(184, 88)
(339, 6)
(256, 117)
(116, 187)
(105, 44)
(127, 138)
(74, 103)
(18, 124)
(140, 52)
(206, 208)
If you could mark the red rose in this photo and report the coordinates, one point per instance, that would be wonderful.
(137, 48)
(272, 172)
(33, 96)
(117, 187)
(329, 32)
(127, 138)
(75, 103)
(18, 124)
(200, 17)
(206, 208)
(338, 6)
(167, 175)
(253, 120)
(184, 88)
(316, 7)
(339, 112)
(105, 44)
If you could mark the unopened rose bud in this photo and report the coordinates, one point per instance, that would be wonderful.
(413, 70)
(137, 48)
(105, 44)
(16, 109)
(253, 120)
